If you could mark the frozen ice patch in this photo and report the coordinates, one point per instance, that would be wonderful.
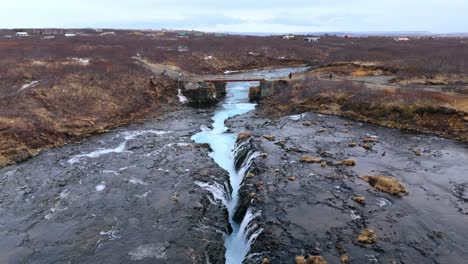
(382, 202)
(143, 195)
(182, 98)
(133, 180)
(111, 234)
(100, 187)
(297, 117)
(354, 215)
(58, 206)
(83, 61)
(27, 86)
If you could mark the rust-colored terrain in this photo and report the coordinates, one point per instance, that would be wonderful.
(54, 91)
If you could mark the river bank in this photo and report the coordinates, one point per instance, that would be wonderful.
(181, 188)
(321, 208)
(402, 107)
(126, 195)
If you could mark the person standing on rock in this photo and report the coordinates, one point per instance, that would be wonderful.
(331, 76)
(290, 75)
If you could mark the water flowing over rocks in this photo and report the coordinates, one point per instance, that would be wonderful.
(215, 185)
(313, 210)
(136, 204)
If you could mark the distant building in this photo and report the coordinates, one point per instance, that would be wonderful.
(22, 34)
(70, 35)
(312, 39)
(48, 37)
(182, 48)
(401, 39)
(288, 37)
(7, 36)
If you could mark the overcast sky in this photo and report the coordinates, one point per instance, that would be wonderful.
(438, 16)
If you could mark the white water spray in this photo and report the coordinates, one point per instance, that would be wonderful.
(121, 148)
(238, 243)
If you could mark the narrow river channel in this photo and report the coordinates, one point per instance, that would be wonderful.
(223, 144)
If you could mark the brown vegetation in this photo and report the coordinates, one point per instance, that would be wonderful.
(90, 83)
(413, 109)
(367, 236)
(386, 184)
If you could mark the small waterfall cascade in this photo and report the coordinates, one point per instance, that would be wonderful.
(236, 160)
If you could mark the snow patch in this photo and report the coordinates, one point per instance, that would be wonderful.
(182, 98)
(354, 215)
(297, 117)
(137, 181)
(27, 86)
(100, 187)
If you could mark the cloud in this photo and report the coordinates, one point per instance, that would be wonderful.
(241, 15)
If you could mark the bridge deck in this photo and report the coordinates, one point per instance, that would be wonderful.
(232, 80)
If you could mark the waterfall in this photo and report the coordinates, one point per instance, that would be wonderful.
(236, 160)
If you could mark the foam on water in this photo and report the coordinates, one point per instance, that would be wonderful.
(121, 148)
(238, 243)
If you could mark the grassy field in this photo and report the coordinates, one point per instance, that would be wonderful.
(57, 90)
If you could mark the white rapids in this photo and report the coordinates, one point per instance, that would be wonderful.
(121, 148)
(239, 241)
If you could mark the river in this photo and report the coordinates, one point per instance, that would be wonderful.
(223, 143)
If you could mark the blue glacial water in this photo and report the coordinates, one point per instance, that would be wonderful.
(223, 143)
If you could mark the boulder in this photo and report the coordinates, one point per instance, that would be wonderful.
(310, 260)
(348, 162)
(367, 236)
(386, 184)
(301, 260)
(316, 260)
(269, 137)
(367, 146)
(309, 159)
(244, 135)
(369, 140)
(307, 123)
(359, 199)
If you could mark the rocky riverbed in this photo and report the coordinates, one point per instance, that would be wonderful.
(313, 203)
(122, 197)
(322, 188)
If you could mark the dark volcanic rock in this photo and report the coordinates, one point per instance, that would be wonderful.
(315, 214)
(204, 94)
(135, 201)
